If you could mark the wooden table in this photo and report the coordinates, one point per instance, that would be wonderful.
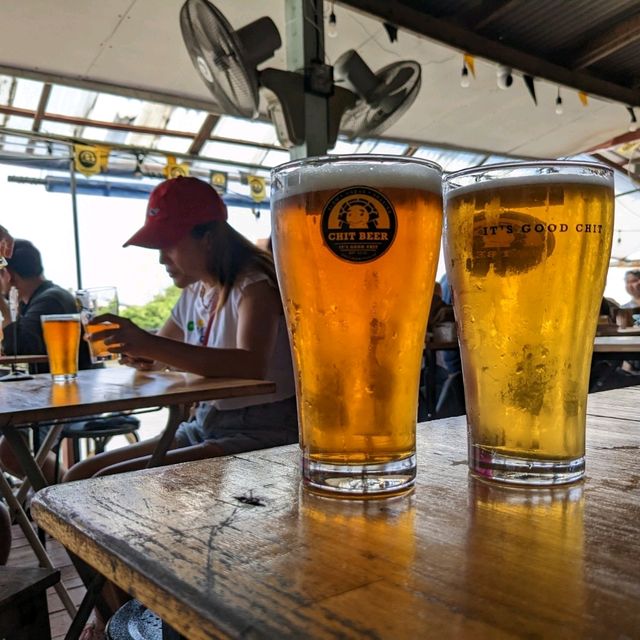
(98, 391)
(23, 359)
(232, 547)
(622, 347)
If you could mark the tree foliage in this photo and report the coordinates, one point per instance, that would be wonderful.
(152, 315)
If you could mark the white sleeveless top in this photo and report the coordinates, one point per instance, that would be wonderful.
(192, 313)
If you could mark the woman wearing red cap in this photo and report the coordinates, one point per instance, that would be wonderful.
(228, 322)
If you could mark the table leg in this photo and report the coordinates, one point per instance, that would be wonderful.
(41, 456)
(36, 545)
(177, 414)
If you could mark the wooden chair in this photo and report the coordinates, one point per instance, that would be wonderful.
(24, 614)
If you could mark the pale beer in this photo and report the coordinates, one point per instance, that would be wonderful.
(356, 243)
(62, 338)
(527, 251)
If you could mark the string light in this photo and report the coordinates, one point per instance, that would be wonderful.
(559, 108)
(504, 77)
(332, 24)
(465, 81)
(633, 123)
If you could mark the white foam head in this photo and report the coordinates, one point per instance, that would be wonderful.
(339, 172)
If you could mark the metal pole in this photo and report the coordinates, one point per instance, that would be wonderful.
(305, 54)
(76, 232)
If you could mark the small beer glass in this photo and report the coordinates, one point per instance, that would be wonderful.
(356, 242)
(94, 302)
(62, 338)
(527, 249)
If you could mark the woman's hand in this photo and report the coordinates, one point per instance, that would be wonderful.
(127, 338)
(140, 363)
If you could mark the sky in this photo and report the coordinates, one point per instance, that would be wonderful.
(104, 223)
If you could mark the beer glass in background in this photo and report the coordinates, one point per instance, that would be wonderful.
(94, 302)
(527, 249)
(356, 242)
(62, 338)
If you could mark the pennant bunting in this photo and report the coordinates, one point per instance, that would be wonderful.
(584, 98)
(174, 169)
(90, 159)
(469, 60)
(529, 81)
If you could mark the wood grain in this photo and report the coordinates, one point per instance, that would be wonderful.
(457, 558)
(113, 389)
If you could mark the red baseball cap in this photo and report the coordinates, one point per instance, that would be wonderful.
(176, 206)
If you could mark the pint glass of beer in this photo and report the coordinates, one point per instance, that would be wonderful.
(62, 338)
(94, 302)
(356, 242)
(527, 249)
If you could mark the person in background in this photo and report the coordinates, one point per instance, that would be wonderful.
(228, 322)
(632, 285)
(37, 296)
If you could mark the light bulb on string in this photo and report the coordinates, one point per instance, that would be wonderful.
(633, 122)
(465, 81)
(332, 24)
(504, 77)
(559, 108)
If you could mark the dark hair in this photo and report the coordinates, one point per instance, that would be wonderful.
(232, 255)
(633, 272)
(26, 260)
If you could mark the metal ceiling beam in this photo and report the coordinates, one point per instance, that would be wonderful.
(607, 43)
(114, 89)
(131, 128)
(204, 134)
(42, 106)
(421, 23)
(133, 150)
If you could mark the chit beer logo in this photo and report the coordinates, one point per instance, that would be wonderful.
(358, 224)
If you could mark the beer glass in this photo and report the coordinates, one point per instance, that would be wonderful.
(356, 242)
(527, 249)
(62, 338)
(94, 302)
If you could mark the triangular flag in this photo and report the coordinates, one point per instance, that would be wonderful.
(528, 80)
(584, 98)
(257, 188)
(219, 180)
(469, 60)
(174, 169)
(90, 159)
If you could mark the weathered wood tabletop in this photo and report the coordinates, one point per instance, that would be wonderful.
(113, 389)
(232, 547)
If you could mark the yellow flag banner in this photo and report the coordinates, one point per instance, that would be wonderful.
(257, 187)
(90, 159)
(470, 61)
(218, 180)
(175, 169)
(584, 98)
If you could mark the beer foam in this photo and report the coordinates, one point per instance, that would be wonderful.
(342, 172)
(542, 179)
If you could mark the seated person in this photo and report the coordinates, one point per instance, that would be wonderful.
(228, 322)
(38, 296)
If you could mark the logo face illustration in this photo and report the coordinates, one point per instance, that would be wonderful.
(87, 158)
(358, 224)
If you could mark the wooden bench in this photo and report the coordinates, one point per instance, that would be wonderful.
(24, 614)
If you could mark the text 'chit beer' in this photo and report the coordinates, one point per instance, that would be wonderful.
(356, 243)
(527, 250)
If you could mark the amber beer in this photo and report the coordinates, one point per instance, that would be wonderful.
(98, 349)
(356, 242)
(62, 338)
(527, 250)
